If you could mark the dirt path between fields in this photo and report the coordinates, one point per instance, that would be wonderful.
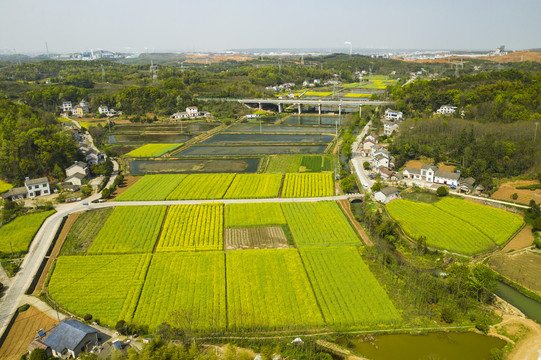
(56, 251)
(347, 209)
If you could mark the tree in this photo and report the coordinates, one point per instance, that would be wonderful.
(366, 165)
(106, 193)
(442, 191)
(537, 223)
(38, 354)
(347, 184)
(121, 326)
(376, 187)
(58, 173)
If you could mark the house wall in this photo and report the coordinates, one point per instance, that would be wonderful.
(445, 181)
(88, 339)
(42, 188)
(75, 170)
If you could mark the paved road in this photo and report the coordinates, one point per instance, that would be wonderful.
(357, 161)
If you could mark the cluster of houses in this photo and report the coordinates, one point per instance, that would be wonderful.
(191, 112)
(316, 82)
(381, 160)
(281, 87)
(92, 155)
(78, 110)
(431, 174)
(392, 121)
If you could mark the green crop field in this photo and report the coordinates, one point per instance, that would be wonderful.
(105, 286)
(269, 289)
(187, 288)
(84, 231)
(4, 186)
(315, 163)
(17, 235)
(253, 214)
(308, 185)
(441, 229)
(319, 223)
(347, 292)
(254, 186)
(152, 188)
(202, 186)
(284, 164)
(153, 150)
(498, 225)
(318, 93)
(129, 229)
(192, 227)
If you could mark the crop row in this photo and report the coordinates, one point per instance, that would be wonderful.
(192, 227)
(257, 289)
(152, 150)
(451, 229)
(129, 229)
(228, 186)
(308, 185)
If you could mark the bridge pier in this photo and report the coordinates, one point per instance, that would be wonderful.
(360, 110)
(260, 107)
(319, 109)
(280, 109)
(339, 109)
(300, 108)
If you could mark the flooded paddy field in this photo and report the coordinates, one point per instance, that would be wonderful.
(252, 150)
(256, 139)
(194, 166)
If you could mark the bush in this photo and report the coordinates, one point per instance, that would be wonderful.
(537, 223)
(23, 308)
(366, 165)
(39, 354)
(448, 315)
(121, 327)
(87, 317)
(514, 196)
(442, 191)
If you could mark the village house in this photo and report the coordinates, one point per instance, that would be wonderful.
(81, 109)
(431, 174)
(446, 178)
(367, 146)
(385, 173)
(102, 109)
(37, 187)
(466, 185)
(70, 338)
(76, 173)
(446, 110)
(66, 106)
(387, 194)
(192, 111)
(179, 115)
(390, 126)
(393, 115)
(14, 194)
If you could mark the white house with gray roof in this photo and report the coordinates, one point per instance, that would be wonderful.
(37, 187)
(387, 194)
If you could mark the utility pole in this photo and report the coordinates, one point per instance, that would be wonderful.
(535, 133)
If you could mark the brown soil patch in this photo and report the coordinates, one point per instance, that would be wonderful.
(23, 331)
(206, 59)
(523, 268)
(268, 237)
(516, 56)
(528, 347)
(523, 239)
(128, 181)
(360, 230)
(417, 164)
(506, 190)
(56, 250)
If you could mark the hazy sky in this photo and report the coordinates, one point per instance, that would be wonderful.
(204, 25)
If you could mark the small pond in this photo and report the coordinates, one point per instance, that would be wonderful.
(441, 346)
(528, 306)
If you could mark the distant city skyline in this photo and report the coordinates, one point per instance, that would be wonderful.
(212, 25)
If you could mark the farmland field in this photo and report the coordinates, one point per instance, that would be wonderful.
(105, 286)
(311, 120)
(4, 186)
(442, 230)
(147, 138)
(308, 185)
(319, 223)
(277, 129)
(84, 231)
(192, 284)
(17, 235)
(346, 290)
(192, 227)
(260, 139)
(284, 164)
(150, 150)
(193, 166)
(152, 187)
(263, 237)
(315, 163)
(129, 229)
(523, 268)
(253, 214)
(254, 186)
(497, 224)
(202, 186)
(269, 289)
(239, 150)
